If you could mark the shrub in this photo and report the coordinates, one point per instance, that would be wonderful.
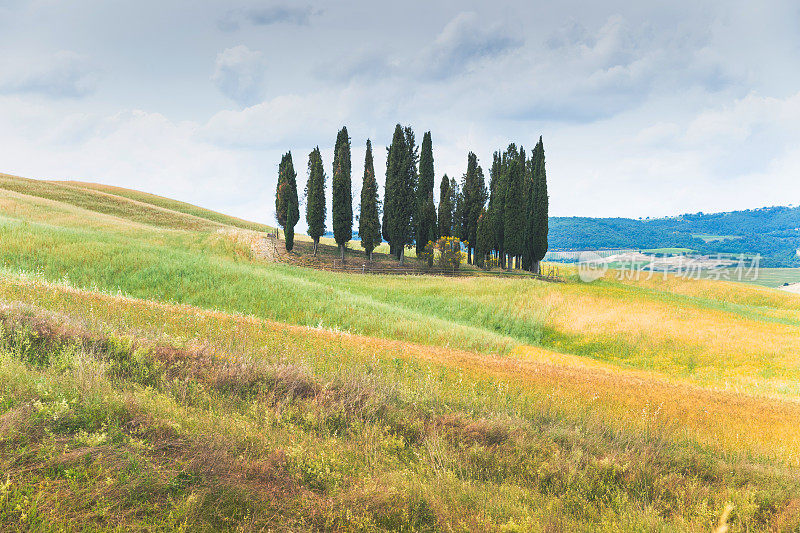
(447, 250)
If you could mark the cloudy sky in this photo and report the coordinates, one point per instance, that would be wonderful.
(646, 108)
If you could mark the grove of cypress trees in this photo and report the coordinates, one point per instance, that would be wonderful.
(369, 228)
(287, 205)
(315, 197)
(425, 219)
(341, 188)
(541, 209)
(445, 219)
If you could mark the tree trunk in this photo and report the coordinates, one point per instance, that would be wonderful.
(316, 243)
(537, 268)
(402, 254)
(341, 249)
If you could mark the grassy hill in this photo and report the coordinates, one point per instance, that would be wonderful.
(156, 376)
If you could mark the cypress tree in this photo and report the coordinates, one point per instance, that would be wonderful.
(445, 221)
(393, 209)
(426, 224)
(369, 228)
(514, 211)
(342, 200)
(541, 211)
(315, 197)
(408, 221)
(287, 205)
(530, 210)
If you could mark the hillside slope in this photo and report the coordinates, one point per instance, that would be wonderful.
(156, 376)
(773, 232)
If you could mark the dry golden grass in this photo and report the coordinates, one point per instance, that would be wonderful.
(728, 421)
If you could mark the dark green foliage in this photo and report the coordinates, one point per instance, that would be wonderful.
(369, 226)
(458, 209)
(315, 197)
(514, 212)
(399, 199)
(474, 198)
(484, 238)
(539, 212)
(287, 205)
(407, 230)
(395, 156)
(429, 214)
(342, 201)
(426, 217)
(445, 219)
(497, 199)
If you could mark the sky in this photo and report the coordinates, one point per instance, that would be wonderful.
(645, 108)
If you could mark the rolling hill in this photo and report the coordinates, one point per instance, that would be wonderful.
(772, 232)
(156, 375)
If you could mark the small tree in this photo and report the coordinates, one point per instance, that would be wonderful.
(315, 197)
(425, 217)
(445, 218)
(369, 226)
(287, 206)
(342, 200)
(448, 250)
(541, 209)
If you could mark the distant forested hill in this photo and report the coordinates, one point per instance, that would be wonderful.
(773, 232)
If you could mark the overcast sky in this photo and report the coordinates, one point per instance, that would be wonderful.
(646, 108)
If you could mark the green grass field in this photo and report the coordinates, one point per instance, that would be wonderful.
(157, 376)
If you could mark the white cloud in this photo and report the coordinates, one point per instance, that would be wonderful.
(239, 74)
(65, 74)
(464, 41)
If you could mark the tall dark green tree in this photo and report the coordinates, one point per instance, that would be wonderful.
(315, 197)
(287, 205)
(409, 221)
(399, 200)
(393, 197)
(369, 226)
(530, 208)
(540, 214)
(342, 192)
(426, 224)
(514, 211)
(445, 218)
